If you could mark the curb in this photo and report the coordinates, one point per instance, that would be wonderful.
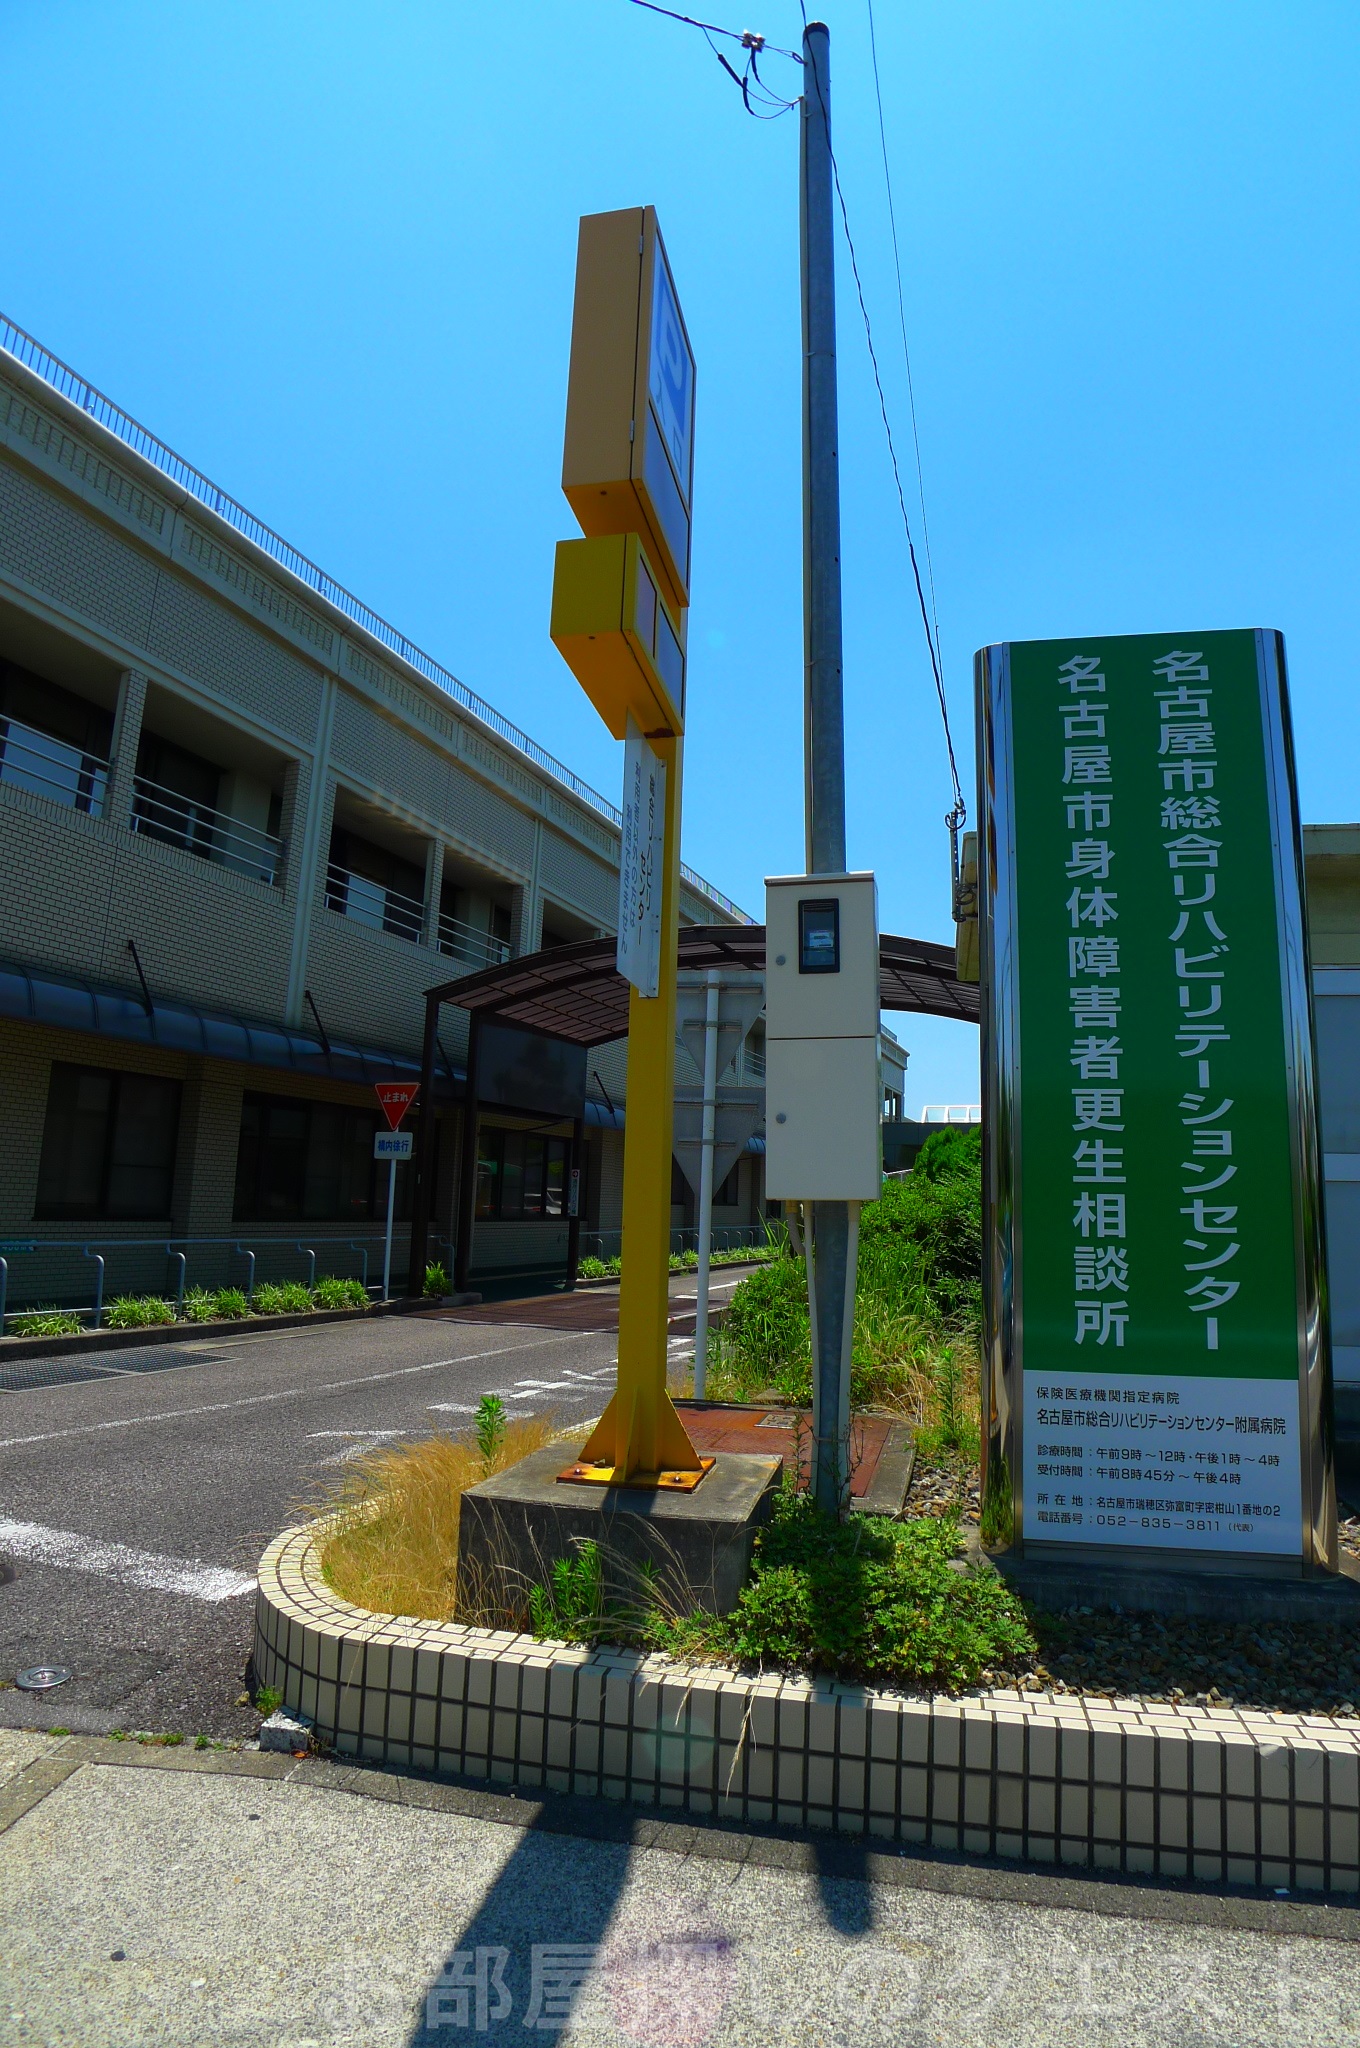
(1215, 1795)
(1007, 1883)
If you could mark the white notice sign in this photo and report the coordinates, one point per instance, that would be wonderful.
(640, 866)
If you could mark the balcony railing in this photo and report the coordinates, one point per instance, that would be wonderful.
(372, 903)
(469, 945)
(59, 376)
(753, 1062)
(952, 1113)
(50, 767)
(176, 820)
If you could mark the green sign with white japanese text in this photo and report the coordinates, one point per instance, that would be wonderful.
(1146, 949)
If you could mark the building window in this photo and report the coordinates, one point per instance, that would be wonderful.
(521, 1176)
(308, 1161)
(108, 1145)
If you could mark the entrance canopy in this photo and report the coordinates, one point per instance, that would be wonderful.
(576, 992)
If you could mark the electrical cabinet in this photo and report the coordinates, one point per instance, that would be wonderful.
(823, 1095)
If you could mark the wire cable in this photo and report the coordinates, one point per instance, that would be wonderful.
(960, 809)
(735, 35)
(754, 45)
(902, 322)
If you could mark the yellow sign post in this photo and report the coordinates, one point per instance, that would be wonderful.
(618, 618)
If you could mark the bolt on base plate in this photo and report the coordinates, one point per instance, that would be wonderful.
(592, 1474)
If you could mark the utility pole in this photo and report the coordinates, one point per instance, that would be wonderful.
(708, 1140)
(832, 1238)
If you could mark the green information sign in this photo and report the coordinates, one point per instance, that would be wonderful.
(1156, 1348)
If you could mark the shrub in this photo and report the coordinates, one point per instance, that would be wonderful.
(866, 1599)
(591, 1269)
(45, 1322)
(229, 1303)
(199, 1305)
(436, 1279)
(334, 1293)
(281, 1298)
(137, 1312)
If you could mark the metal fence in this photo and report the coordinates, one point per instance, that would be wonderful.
(83, 1277)
(25, 348)
(726, 1237)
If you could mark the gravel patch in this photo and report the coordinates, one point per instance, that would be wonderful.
(1286, 1667)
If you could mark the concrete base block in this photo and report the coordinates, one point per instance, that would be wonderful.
(286, 1732)
(1146, 1587)
(513, 1527)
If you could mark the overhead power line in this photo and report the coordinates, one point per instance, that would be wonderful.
(769, 107)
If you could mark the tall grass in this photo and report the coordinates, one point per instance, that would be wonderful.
(389, 1540)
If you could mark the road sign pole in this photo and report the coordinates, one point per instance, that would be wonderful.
(713, 995)
(640, 1430)
(387, 1242)
(832, 1240)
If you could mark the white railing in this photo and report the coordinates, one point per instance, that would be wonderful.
(15, 341)
(50, 767)
(952, 1113)
(372, 903)
(753, 1063)
(469, 943)
(161, 813)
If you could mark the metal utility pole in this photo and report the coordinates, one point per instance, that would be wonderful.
(712, 999)
(833, 1233)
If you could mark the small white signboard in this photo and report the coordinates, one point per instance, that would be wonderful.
(393, 1144)
(640, 867)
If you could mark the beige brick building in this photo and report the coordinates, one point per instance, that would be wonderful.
(243, 827)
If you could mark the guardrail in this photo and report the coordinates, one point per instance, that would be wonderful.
(36, 760)
(469, 943)
(726, 1237)
(161, 813)
(26, 349)
(374, 904)
(178, 1251)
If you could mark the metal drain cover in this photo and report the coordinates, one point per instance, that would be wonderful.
(42, 1678)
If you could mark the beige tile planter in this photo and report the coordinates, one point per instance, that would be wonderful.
(1217, 1794)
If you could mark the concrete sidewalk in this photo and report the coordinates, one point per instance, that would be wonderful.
(169, 1896)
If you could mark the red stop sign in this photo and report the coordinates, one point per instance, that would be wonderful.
(396, 1098)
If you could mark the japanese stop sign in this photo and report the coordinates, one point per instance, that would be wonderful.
(396, 1098)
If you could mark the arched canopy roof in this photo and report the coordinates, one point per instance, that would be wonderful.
(576, 992)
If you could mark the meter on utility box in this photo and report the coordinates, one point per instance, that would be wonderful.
(823, 1101)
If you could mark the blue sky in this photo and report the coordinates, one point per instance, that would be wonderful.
(327, 250)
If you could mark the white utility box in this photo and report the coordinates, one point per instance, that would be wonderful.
(823, 1093)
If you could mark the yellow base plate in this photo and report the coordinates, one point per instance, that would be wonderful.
(589, 1474)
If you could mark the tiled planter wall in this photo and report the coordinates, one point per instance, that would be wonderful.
(1214, 1794)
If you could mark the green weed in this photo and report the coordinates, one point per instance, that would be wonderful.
(281, 1298)
(865, 1599)
(268, 1700)
(45, 1322)
(332, 1293)
(137, 1312)
(436, 1279)
(489, 1426)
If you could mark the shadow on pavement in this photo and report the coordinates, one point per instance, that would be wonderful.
(545, 1945)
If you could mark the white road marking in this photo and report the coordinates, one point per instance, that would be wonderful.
(358, 1442)
(366, 1379)
(62, 1547)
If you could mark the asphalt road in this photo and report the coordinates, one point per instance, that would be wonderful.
(134, 1507)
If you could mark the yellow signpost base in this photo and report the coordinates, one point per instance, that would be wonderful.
(640, 1439)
